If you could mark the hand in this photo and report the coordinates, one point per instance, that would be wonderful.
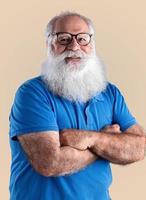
(115, 128)
(78, 139)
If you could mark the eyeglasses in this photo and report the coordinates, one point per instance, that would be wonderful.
(65, 38)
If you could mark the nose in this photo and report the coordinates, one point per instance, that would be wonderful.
(74, 46)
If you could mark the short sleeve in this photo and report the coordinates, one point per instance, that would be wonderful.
(31, 111)
(121, 113)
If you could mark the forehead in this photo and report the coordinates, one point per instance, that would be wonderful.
(71, 24)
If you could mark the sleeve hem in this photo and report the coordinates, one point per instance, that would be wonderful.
(35, 129)
(128, 125)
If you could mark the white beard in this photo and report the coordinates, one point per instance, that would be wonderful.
(74, 81)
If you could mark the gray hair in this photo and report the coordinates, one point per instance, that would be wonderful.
(51, 23)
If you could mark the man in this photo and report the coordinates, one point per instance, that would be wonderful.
(68, 124)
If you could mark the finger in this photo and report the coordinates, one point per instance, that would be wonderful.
(116, 127)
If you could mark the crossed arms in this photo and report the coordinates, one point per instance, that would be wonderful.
(58, 153)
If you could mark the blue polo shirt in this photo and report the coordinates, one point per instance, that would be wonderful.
(35, 109)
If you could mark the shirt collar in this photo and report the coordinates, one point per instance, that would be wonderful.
(99, 97)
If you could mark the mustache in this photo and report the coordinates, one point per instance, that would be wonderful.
(77, 53)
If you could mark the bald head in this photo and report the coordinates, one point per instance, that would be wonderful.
(64, 15)
(73, 24)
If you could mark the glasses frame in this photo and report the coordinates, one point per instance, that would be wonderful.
(72, 35)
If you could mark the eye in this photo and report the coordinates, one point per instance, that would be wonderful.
(64, 38)
(83, 39)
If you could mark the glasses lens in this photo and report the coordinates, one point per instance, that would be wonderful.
(83, 39)
(64, 38)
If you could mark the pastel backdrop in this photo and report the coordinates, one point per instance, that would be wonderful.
(121, 42)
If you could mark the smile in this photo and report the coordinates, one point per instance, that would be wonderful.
(72, 59)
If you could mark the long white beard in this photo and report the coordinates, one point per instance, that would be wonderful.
(76, 82)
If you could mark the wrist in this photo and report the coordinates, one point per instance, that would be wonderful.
(93, 137)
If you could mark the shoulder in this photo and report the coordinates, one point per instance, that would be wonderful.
(32, 87)
(111, 88)
(34, 83)
(111, 91)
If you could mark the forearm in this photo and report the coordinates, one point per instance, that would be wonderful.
(118, 148)
(111, 144)
(72, 160)
(69, 160)
(49, 158)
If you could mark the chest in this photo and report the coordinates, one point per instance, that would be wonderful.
(93, 115)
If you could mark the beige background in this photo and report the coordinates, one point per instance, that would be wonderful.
(120, 32)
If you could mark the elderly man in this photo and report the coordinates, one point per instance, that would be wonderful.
(68, 124)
